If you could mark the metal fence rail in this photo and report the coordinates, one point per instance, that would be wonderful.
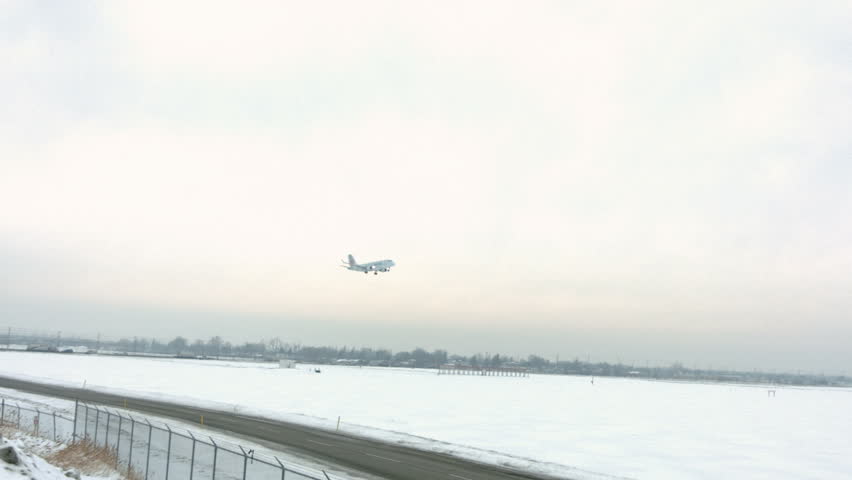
(152, 451)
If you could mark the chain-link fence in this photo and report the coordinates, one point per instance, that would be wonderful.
(160, 452)
(151, 451)
(40, 423)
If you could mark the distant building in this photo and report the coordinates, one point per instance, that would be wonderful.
(41, 348)
(286, 363)
(348, 361)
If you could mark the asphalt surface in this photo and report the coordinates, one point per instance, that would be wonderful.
(376, 458)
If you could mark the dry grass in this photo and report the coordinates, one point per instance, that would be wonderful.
(7, 430)
(84, 456)
(89, 459)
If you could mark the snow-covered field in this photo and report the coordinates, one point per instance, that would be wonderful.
(553, 424)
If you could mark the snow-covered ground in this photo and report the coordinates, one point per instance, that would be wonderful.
(551, 424)
(30, 466)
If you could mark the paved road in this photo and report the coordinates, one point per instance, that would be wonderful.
(376, 458)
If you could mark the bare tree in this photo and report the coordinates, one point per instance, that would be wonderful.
(215, 344)
(178, 344)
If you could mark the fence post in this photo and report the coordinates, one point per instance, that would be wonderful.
(168, 451)
(97, 423)
(215, 452)
(130, 456)
(192, 458)
(19, 415)
(2, 410)
(54, 425)
(148, 460)
(283, 470)
(35, 422)
(106, 436)
(118, 443)
(74, 431)
(245, 461)
(86, 424)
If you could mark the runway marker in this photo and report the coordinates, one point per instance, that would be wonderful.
(326, 444)
(383, 458)
(458, 476)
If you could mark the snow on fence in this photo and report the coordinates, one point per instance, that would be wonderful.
(152, 451)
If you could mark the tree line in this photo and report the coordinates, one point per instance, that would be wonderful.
(274, 349)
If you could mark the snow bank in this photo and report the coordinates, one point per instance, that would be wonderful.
(18, 463)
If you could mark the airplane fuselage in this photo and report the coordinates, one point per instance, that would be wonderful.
(375, 267)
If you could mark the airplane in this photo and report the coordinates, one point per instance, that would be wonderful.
(375, 267)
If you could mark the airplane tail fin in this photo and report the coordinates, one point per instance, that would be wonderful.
(352, 261)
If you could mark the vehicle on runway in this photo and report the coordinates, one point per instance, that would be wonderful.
(375, 267)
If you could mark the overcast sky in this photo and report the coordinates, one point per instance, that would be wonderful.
(636, 181)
